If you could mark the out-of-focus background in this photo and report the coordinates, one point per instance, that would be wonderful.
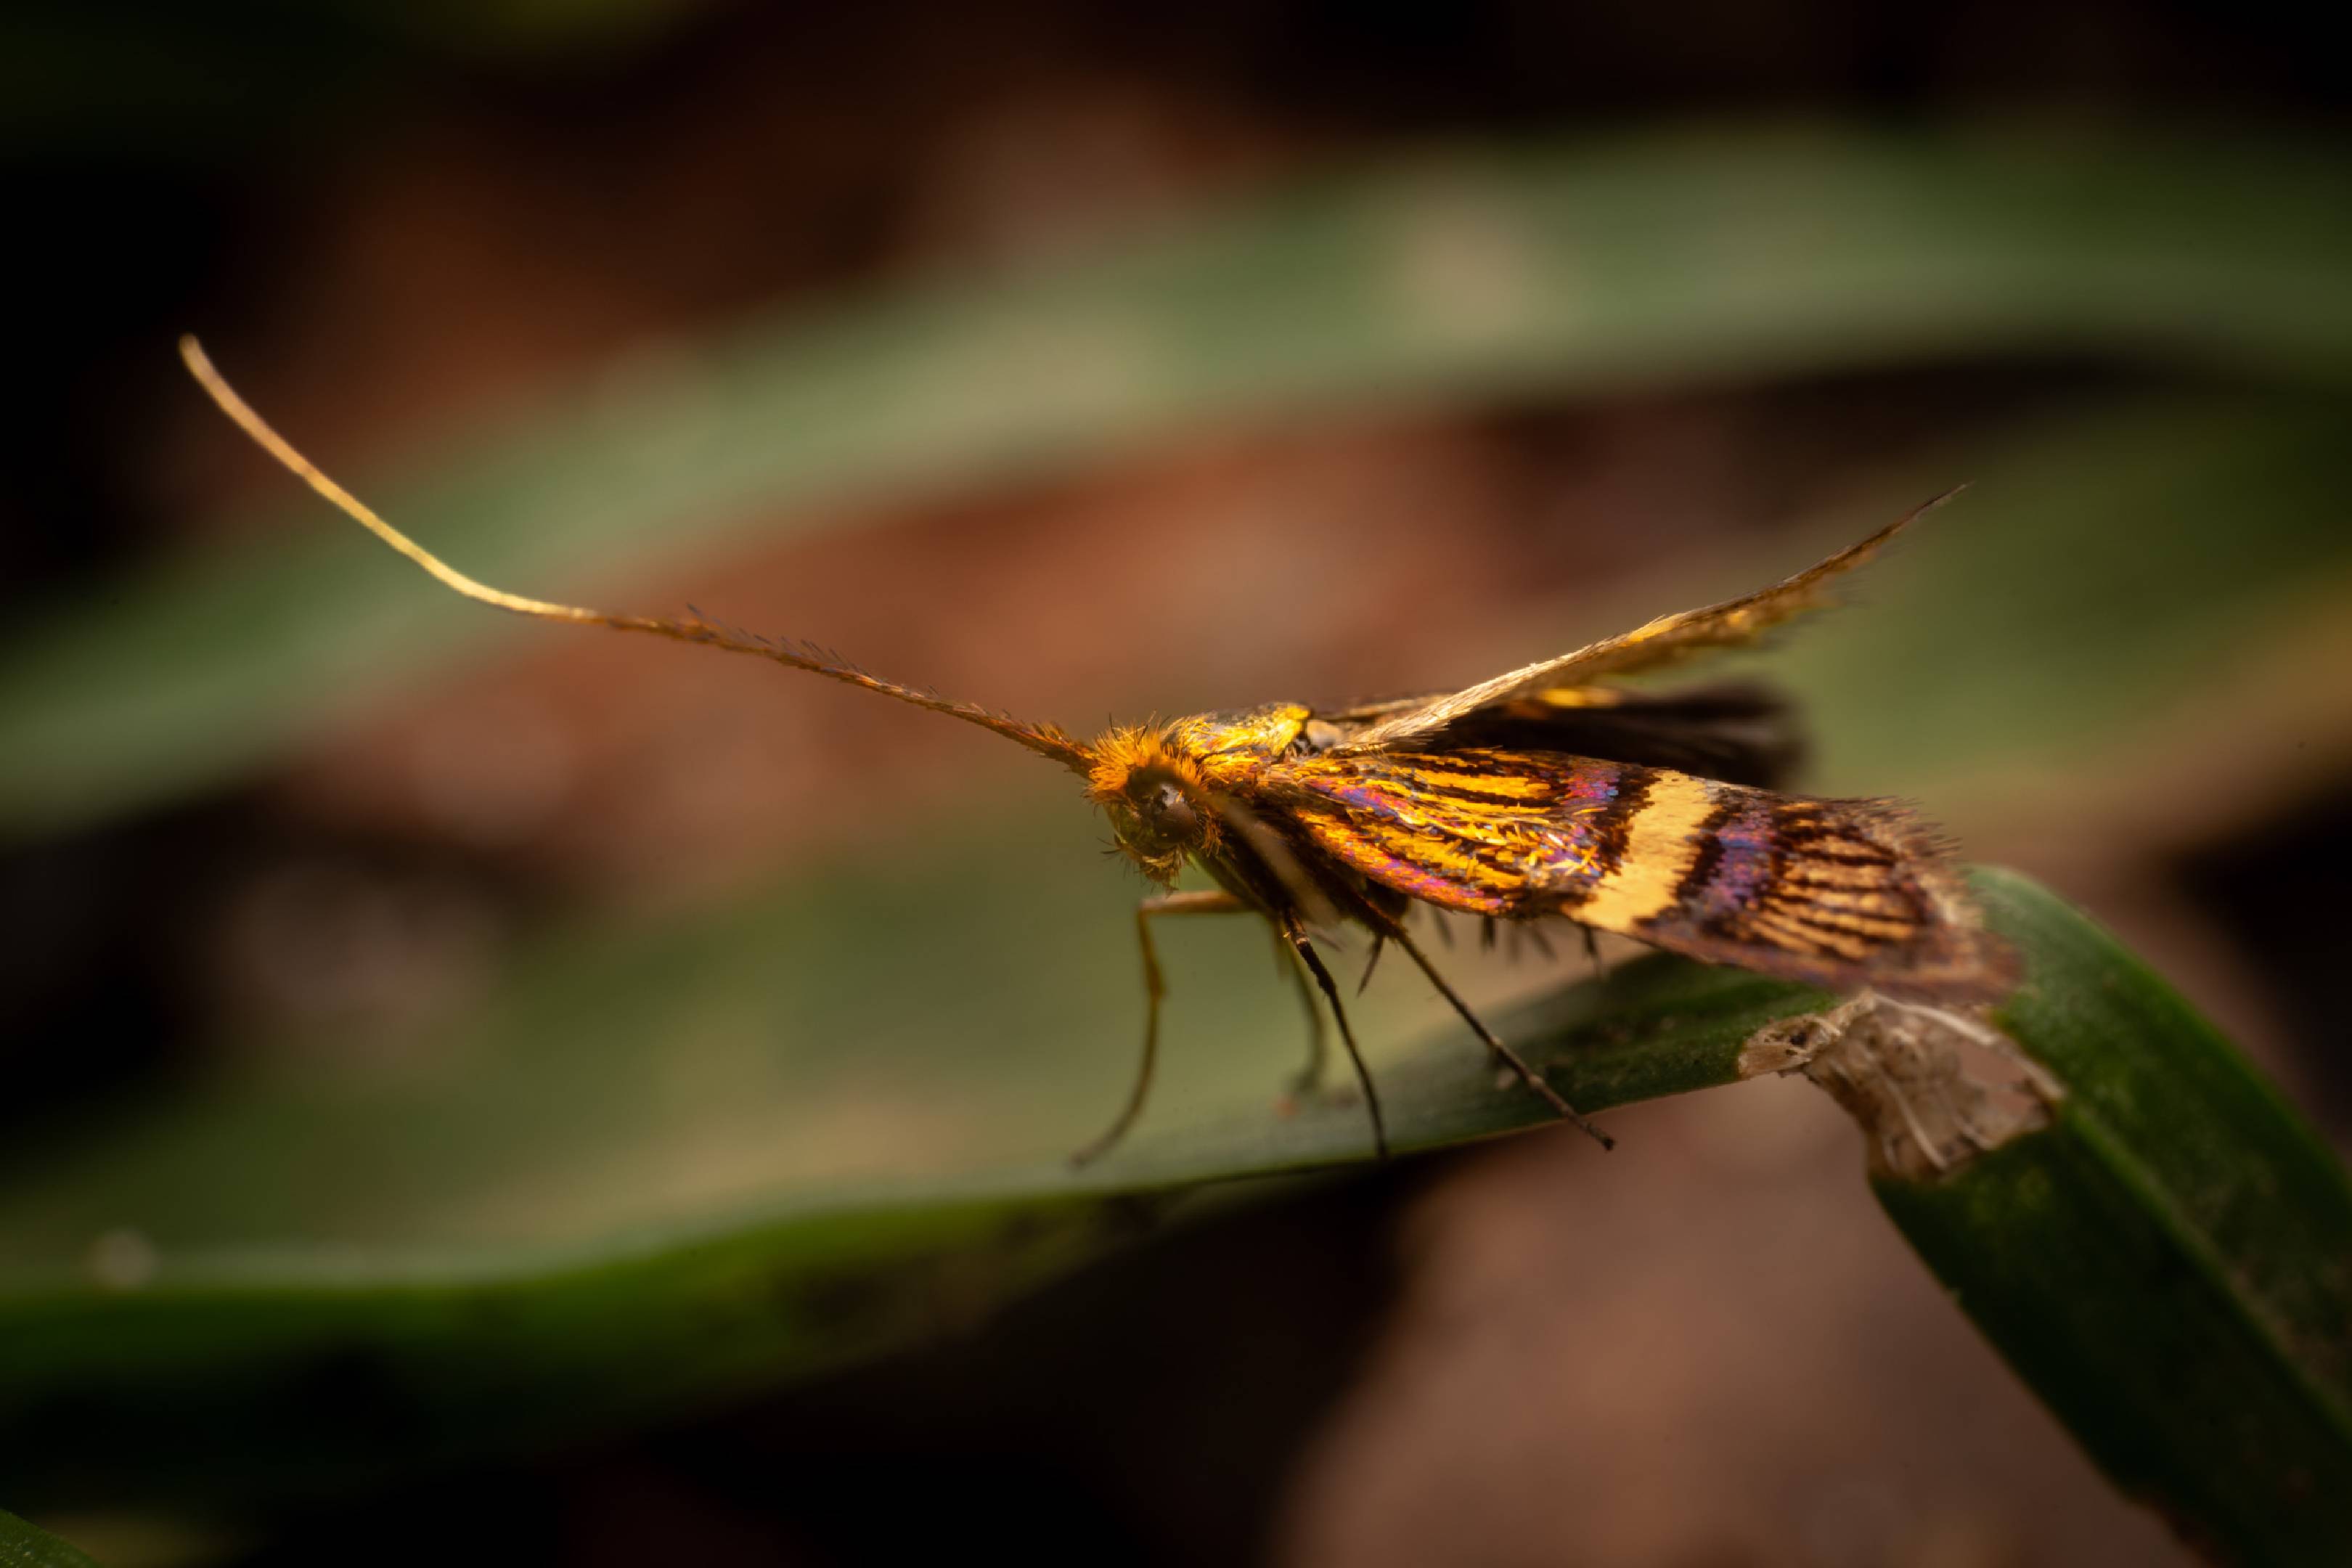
(1095, 365)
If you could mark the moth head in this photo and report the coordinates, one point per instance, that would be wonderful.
(1160, 809)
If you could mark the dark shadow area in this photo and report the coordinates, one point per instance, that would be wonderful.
(1150, 1410)
(2275, 888)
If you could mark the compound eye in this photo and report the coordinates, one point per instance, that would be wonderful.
(1172, 813)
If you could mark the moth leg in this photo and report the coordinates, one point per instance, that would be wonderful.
(1295, 935)
(1509, 1057)
(1155, 988)
(1310, 1076)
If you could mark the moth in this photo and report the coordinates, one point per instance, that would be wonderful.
(1546, 791)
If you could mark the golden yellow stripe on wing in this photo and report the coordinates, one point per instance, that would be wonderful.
(1446, 851)
(1577, 697)
(1403, 867)
(1662, 844)
(1482, 820)
(1507, 788)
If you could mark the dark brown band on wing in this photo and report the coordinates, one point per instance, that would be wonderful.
(1709, 859)
(1612, 824)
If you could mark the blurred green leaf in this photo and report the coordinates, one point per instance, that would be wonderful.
(2102, 567)
(143, 1377)
(22, 1546)
(1608, 265)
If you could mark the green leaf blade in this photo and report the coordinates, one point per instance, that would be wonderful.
(2165, 1262)
(24, 1545)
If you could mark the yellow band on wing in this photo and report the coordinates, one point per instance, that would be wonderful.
(1662, 844)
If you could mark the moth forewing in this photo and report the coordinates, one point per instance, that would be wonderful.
(1840, 893)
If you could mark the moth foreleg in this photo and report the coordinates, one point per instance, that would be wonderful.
(1295, 935)
(1310, 1076)
(1509, 1057)
(1155, 988)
